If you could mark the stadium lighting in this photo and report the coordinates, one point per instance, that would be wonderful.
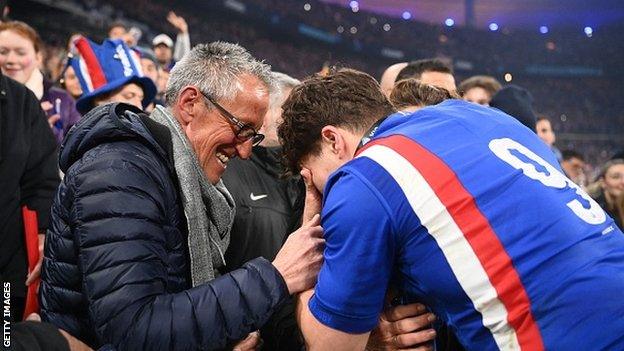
(307, 7)
(353, 30)
(355, 9)
(543, 29)
(340, 29)
(493, 27)
(508, 77)
(449, 22)
(406, 15)
(589, 31)
(353, 4)
(386, 27)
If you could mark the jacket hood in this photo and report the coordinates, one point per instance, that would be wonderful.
(104, 124)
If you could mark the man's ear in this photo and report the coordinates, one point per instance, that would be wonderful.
(187, 104)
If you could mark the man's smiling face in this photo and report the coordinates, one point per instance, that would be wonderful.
(213, 137)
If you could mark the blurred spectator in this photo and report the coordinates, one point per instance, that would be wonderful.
(117, 30)
(610, 189)
(28, 177)
(110, 72)
(479, 89)
(69, 81)
(410, 95)
(161, 84)
(163, 45)
(133, 36)
(388, 78)
(573, 164)
(516, 102)
(71, 47)
(20, 58)
(149, 65)
(545, 131)
(430, 71)
(619, 205)
(53, 61)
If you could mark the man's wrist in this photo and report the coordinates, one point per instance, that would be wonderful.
(281, 272)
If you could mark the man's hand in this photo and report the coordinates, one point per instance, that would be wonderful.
(253, 342)
(313, 199)
(300, 259)
(403, 328)
(178, 22)
(36, 272)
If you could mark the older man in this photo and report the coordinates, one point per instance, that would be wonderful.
(142, 219)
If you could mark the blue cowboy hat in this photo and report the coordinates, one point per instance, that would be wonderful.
(102, 69)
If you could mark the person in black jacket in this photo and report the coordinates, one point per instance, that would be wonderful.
(28, 177)
(269, 206)
(141, 219)
(267, 202)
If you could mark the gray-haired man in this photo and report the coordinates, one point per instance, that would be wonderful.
(141, 220)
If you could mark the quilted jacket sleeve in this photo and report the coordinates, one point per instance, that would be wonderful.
(118, 213)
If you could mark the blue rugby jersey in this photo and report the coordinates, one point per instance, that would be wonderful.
(466, 210)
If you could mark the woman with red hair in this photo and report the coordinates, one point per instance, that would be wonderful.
(20, 59)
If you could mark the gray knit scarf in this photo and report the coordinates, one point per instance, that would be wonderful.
(209, 209)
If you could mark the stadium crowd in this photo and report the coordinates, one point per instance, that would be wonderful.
(162, 193)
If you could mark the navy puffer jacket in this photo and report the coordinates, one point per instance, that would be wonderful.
(116, 268)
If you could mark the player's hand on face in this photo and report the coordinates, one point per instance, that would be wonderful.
(313, 198)
(404, 327)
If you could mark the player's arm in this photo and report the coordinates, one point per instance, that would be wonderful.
(353, 280)
(321, 337)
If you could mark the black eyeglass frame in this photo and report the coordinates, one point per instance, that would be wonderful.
(245, 131)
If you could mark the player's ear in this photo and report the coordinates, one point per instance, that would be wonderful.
(336, 141)
(330, 137)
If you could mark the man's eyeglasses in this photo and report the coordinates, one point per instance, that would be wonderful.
(245, 131)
